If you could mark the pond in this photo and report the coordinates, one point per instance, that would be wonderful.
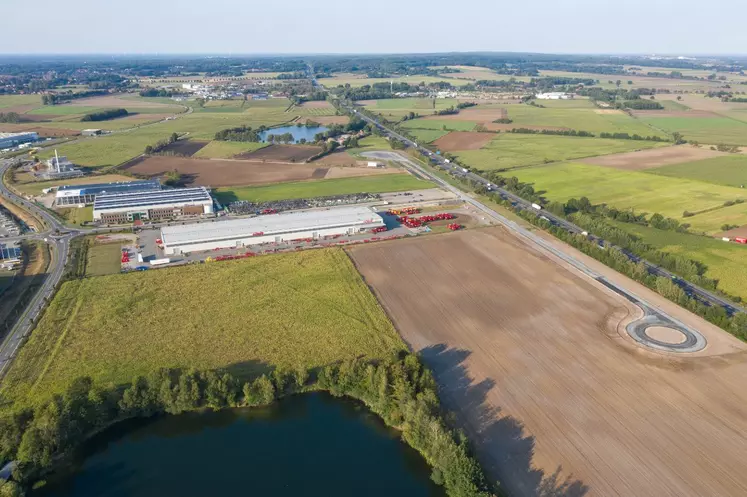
(307, 445)
(298, 132)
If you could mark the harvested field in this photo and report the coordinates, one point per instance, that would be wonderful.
(351, 172)
(655, 157)
(223, 172)
(327, 120)
(463, 140)
(282, 153)
(733, 233)
(555, 399)
(608, 111)
(186, 147)
(316, 104)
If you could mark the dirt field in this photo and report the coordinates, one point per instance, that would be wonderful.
(316, 104)
(282, 153)
(232, 172)
(655, 157)
(223, 172)
(556, 400)
(327, 120)
(186, 147)
(480, 115)
(463, 140)
(733, 233)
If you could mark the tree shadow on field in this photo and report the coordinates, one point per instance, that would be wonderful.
(499, 441)
(248, 370)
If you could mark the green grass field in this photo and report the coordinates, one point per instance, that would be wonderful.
(440, 124)
(509, 150)
(396, 108)
(36, 187)
(64, 110)
(427, 135)
(75, 215)
(104, 259)
(307, 308)
(322, 188)
(120, 147)
(635, 190)
(703, 129)
(225, 150)
(581, 119)
(725, 261)
(13, 100)
(369, 144)
(730, 170)
(673, 105)
(711, 222)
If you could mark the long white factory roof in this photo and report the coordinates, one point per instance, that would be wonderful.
(269, 225)
(150, 198)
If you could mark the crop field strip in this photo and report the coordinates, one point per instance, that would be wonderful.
(307, 309)
(529, 356)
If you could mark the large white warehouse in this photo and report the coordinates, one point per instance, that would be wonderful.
(267, 229)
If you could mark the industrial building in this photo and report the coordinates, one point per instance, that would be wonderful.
(120, 208)
(86, 194)
(555, 95)
(274, 228)
(59, 167)
(8, 140)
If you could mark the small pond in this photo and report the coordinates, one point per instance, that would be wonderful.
(308, 445)
(298, 132)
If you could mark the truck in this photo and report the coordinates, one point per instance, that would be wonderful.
(464, 170)
(447, 161)
(537, 206)
(160, 262)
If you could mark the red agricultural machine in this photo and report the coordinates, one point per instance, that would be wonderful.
(379, 229)
(269, 211)
(417, 222)
(454, 226)
(408, 211)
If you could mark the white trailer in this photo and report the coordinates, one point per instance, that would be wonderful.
(537, 206)
(160, 262)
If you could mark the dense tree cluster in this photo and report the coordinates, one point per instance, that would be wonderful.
(634, 136)
(159, 92)
(641, 104)
(402, 391)
(10, 117)
(240, 134)
(105, 115)
(58, 98)
(561, 132)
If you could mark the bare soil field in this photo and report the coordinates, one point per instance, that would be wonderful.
(44, 132)
(223, 172)
(702, 103)
(186, 147)
(655, 157)
(327, 120)
(480, 115)
(555, 399)
(316, 104)
(463, 140)
(732, 233)
(282, 153)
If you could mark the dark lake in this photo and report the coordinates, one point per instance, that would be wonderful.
(298, 132)
(307, 445)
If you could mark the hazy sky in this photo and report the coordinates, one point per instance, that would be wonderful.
(306, 26)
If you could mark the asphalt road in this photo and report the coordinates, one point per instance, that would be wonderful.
(59, 250)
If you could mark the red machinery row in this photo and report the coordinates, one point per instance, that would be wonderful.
(416, 222)
(406, 211)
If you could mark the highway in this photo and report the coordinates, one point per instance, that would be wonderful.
(702, 294)
(58, 237)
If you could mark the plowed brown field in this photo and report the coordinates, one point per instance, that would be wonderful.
(556, 401)
(655, 157)
(282, 153)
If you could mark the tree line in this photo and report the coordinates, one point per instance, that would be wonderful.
(58, 98)
(160, 145)
(400, 390)
(105, 115)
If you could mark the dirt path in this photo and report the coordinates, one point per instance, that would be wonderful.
(557, 401)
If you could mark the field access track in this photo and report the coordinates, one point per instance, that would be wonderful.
(555, 396)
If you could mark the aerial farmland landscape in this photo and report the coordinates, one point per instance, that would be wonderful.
(494, 263)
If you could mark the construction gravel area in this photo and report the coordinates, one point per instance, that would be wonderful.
(652, 158)
(558, 401)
